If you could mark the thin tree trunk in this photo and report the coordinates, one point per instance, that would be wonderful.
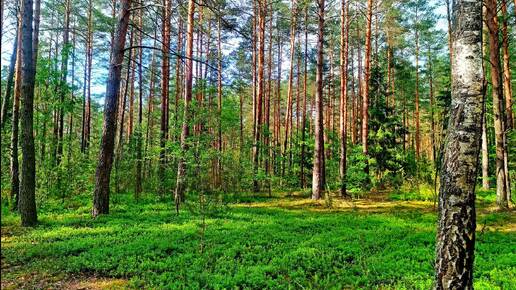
(416, 101)
(139, 130)
(318, 168)
(367, 75)
(305, 92)
(165, 73)
(103, 172)
(219, 103)
(181, 167)
(498, 107)
(507, 87)
(456, 227)
(15, 168)
(63, 85)
(262, 7)
(344, 31)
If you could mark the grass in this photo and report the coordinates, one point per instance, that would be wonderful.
(254, 242)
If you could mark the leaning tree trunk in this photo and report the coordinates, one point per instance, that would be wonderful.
(107, 143)
(318, 169)
(27, 199)
(456, 228)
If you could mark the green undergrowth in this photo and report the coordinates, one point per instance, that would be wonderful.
(245, 246)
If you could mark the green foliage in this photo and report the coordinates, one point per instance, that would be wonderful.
(246, 246)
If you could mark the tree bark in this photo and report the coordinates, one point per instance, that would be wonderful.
(498, 107)
(15, 167)
(103, 172)
(139, 130)
(27, 199)
(456, 227)
(367, 75)
(63, 89)
(416, 101)
(344, 32)
(219, 103)
(262, 7)
(507, 86)
(318, 168)
(165, 74)
(185, 131)
(305, 92)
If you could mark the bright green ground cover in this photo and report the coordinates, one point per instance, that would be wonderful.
(280, 243)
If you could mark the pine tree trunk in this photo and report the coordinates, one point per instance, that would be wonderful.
(139, 130)
(498, 107)
(103, 171)
(367, 75)
(27, 198)
(63, 85)
(260, 90)
(15, 167)
(318, 168)
(219, 103)
(507, 86)
(165, 74)
(344, 31)
(305, 92)
(185, 131)
(416, 101)
(456, 227)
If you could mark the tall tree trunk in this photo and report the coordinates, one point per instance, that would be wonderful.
(344, 31)
(63, 85)
(318, 168)
(139, 130)
(450, 39)
(416, 101)
(353, 102)
(456, 227)
(219, 102)
(150, 108)
(262, 7)
(15, 167)
(185, 131)
(507, 87)
(485, 155)
(27, 199)
(103, 172)
(498, 107)
(178, 68)
(288, 116)
(367, 75)
(85, 142)
(305, 92)
(165, 74)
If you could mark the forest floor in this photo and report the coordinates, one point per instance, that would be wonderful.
(382, 240)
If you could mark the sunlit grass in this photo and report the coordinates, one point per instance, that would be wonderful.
(252, 242)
